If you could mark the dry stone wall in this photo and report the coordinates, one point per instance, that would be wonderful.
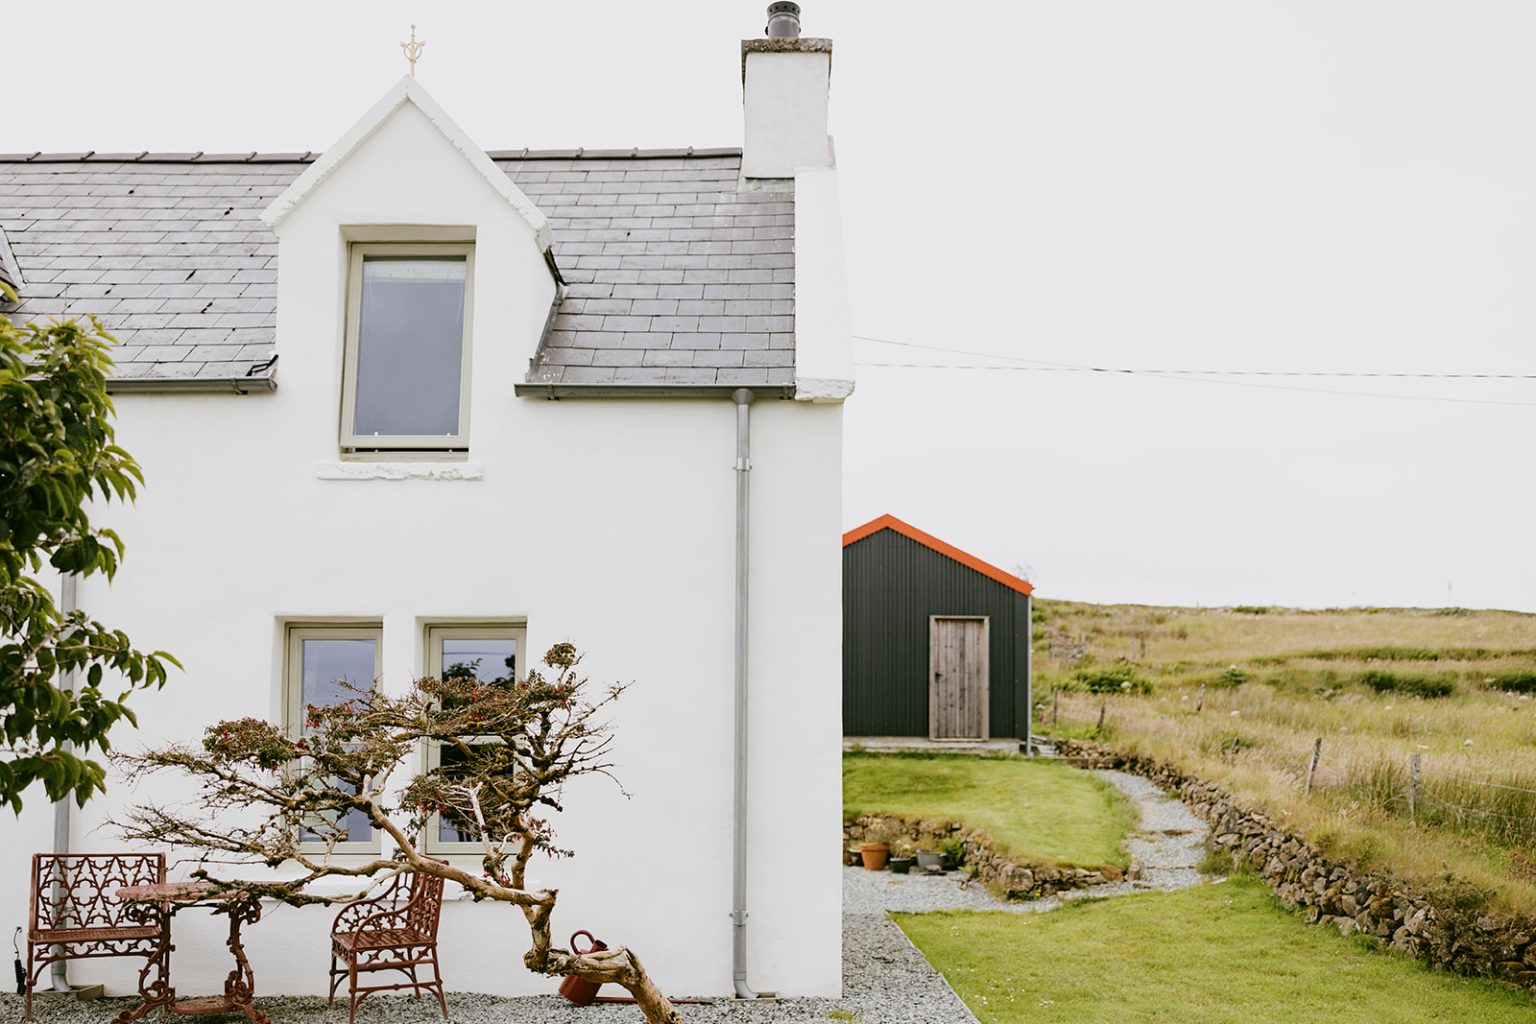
(1451, 928)
(1006, 875)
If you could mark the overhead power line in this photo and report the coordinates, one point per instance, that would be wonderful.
(1207, 373)
(1048, 366)
(1203, 376)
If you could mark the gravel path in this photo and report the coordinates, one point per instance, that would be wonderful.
(885, 979)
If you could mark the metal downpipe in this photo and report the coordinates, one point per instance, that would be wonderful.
(68, 601)
(743, 399)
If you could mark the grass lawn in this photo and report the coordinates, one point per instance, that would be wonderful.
(1215, 954)
(1041, 811)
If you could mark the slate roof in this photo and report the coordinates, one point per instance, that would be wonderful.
(673, 276)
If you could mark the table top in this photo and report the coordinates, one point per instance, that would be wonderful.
(178, 892)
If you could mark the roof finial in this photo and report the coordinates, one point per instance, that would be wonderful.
(412, 50)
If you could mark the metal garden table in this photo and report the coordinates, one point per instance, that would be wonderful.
(159, 902)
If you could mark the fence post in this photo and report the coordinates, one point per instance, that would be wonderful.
(1055, 705)
(1200, 699)
(1317, 752)
(1413, 788)
(1100, 727)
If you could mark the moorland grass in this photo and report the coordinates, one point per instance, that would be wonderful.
(1215, 954)
(1276, 682)
(1040, 811)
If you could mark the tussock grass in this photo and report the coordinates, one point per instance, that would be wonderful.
(1045, 812)
(1377, 685)
(1215, 954)
(1397, 682)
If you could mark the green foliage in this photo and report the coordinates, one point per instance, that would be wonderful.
(1113, 679)
(1418, 686)
(252, 740)
(953, 848)
(57, 454)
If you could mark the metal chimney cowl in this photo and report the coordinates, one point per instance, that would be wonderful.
(783, 20)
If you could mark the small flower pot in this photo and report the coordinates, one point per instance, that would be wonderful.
(874, 855)
(901, 865)
(852, 858)
(930, 860)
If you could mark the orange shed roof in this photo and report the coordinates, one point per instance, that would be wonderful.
(928, 540)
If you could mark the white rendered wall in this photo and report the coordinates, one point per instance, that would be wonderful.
(784, 110)
(823, 327)
(608, 523)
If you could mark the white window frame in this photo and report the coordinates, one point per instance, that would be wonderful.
(293, 696)
(402, 443)
(435, 634)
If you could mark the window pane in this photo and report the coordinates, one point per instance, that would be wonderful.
(490, 661)
(410, 345)
(448, 830)
(327, 664)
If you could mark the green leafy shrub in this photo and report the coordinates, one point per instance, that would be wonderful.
(1113, 679)
(953, 849)
(59, 466)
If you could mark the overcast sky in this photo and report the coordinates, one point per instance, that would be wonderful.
(1343, 185)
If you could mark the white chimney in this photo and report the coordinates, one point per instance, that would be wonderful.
(784, 81)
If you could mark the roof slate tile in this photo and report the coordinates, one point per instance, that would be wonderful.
(673, 275)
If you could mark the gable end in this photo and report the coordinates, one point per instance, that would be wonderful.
(927, 540)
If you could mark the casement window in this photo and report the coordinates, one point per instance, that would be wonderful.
(323, 661)
(405, 374)
(493, 654)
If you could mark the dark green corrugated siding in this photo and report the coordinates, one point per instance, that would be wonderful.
(891, 585)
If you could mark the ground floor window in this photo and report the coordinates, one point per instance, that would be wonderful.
(492, 654)
(325, 664)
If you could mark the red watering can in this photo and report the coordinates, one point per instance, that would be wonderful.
(579, 990)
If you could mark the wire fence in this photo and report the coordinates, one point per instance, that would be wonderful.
(1500, 811)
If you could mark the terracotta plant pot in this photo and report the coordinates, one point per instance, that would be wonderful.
(901, 865)
(874, 855)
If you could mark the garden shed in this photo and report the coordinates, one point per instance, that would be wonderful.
(935, 640)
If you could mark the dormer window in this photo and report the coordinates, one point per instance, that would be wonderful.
(406, 372)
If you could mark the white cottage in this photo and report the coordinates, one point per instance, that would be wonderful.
(410, 402)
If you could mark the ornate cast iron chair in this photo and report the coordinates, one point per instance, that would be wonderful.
(75, 913)
(383, 934)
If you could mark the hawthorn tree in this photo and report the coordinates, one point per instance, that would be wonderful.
(509, 748)
(57, 454)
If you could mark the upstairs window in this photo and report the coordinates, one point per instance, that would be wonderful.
(406, 370)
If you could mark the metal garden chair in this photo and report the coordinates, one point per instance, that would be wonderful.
(384, 934)
(75, 913)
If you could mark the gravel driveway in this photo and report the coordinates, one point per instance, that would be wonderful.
(885, 979)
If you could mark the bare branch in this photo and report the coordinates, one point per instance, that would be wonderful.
(270, 799)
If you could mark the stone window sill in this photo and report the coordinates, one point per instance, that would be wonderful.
(400, 470)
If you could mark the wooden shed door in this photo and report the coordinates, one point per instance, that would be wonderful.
(957, 690)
